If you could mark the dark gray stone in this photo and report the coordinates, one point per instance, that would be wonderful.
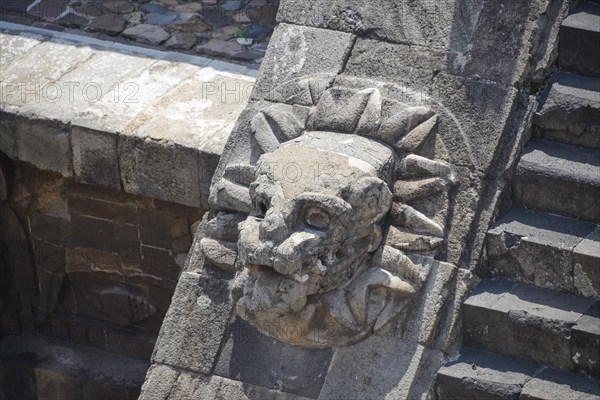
(195, 323)
(216, 17)
(579, 43)
(536, 248)
(585, 343)
(68, 370)
(95, 159)
(376, 368)
(111, 24)
(182, 41)
(257, 31)
(48, 9)
(480, 375)
(586, 273)
(569, 110)
(522, 321)
(232, 5)
(119, 6)
(559, 178)
(73, 20)
(147, 33)
(162, 19)
(551, 384)
(251, 357)
(155, 8)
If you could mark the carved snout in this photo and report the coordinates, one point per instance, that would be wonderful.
(289, 255)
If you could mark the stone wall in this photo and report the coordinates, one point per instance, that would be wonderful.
(374, 69)
(88, 264)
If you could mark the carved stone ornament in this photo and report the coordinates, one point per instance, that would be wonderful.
(343, 191)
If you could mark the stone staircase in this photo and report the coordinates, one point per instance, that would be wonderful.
(531, 330)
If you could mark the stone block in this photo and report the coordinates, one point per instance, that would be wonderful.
(560, 179)
(184, 341)
(587, 265)
(215, 97)
(95, 158)
(535, 248)
(91, 233)
(569, 110)
(579, 44)
(251, 357)
(585, 342)
(14, 46)
(376, 368)
(37, 84)
(160, 380)
(160, 264)
(45, 144)
(159, 169)
(477, 374)
(522, 321)
(551, 384)
(303, 51)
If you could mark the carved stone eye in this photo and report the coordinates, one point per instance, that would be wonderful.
(317, 218)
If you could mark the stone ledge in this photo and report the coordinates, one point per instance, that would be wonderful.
(118, 116)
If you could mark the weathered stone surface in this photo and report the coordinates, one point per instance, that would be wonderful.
(586, 274)
(585, 341)
(249, 356)
(185, 342)
(147, 33)
(378, 367)
(303, 51)
(111, 24)
(45, 144)
(67, 370)
(152, 168)
(164, 382)
(190, 23)
(559, 178)
(481, 375)
(14, 46)
(449, 26)
(8, 135)
(95, 159)
(558, 385)
(536, 248)
(73, 20)
(217, 47)
(579, 48)
(569, 110)
(162, 19)
(522, 321)
(48, 9)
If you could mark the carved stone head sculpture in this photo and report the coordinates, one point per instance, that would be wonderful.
(313, 266)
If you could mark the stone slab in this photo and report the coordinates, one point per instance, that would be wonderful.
(559, 178)
(536, 248)
(522, 321)
(481, 375)
(14, 46)
(378, 367)
(569, 110)
(95, 158)
(579, 44)
(296, 51)
(184, 341)
(36, 83)
(249, 356)
(45, 144)
(587, 265)
(585, 342)
(551, 384)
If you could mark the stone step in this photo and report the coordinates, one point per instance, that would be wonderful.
(569, 110)
(39, 367)
(579, 40)
(547, 251)
(484, 375)
(559, 178)
(534, 324)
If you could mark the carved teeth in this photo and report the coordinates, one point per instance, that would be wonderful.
(299, 278)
